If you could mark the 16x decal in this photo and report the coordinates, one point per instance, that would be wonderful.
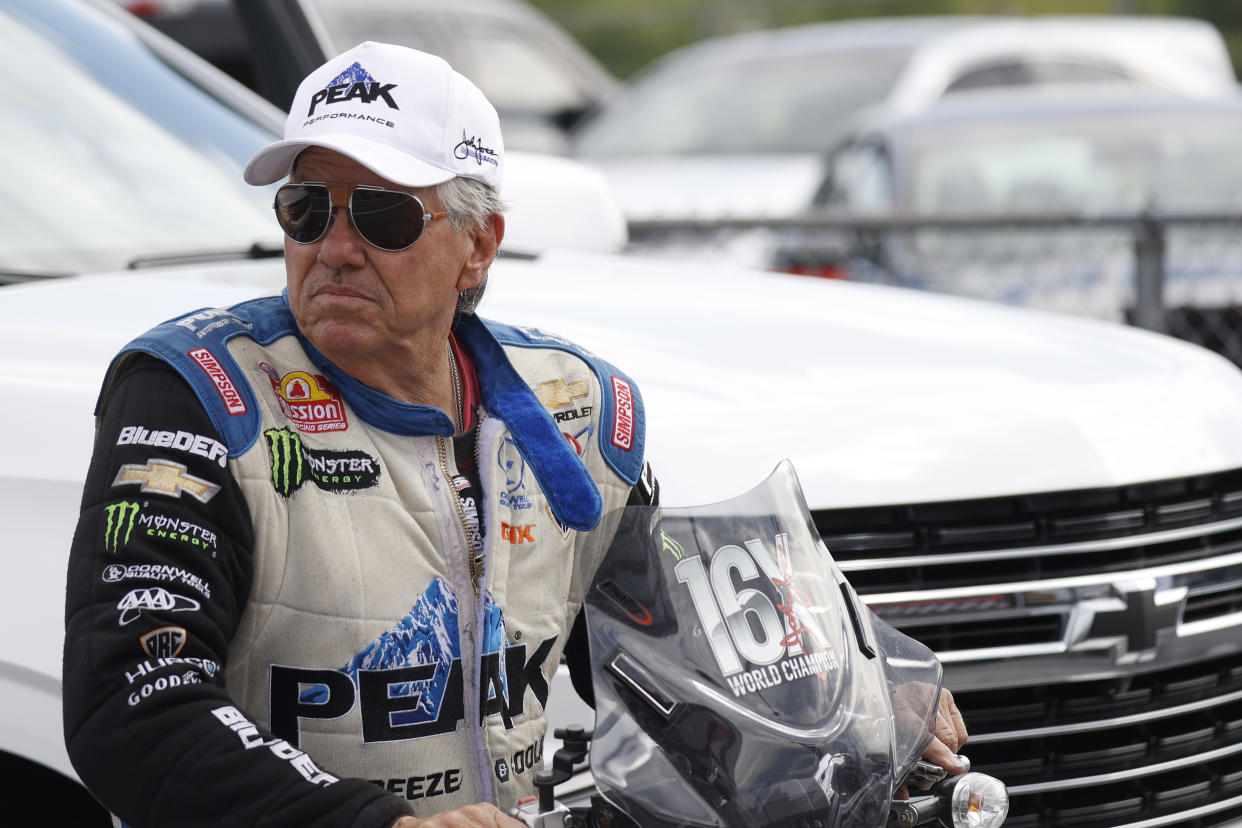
(744, 624)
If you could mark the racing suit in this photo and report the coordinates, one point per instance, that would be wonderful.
(275, 615)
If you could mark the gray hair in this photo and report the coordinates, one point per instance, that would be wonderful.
(470, 204)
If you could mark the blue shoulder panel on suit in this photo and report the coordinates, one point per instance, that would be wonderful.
(622, 437)
(194, 344)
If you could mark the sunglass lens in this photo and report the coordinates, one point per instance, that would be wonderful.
(303, 211)
(389, 220)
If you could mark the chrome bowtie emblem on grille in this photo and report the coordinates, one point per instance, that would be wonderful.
(1136, 612)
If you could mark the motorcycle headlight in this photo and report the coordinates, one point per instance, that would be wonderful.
(978, 801)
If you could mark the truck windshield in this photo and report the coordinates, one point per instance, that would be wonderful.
(112, 153)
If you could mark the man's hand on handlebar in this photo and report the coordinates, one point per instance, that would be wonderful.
(950, 736)
(481, 815)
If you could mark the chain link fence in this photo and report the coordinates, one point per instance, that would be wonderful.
(1177, 274)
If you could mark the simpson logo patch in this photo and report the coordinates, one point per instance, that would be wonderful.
(220, 378)
(623, 424)
(310, 401)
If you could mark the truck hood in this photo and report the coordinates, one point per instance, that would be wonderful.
(879, 395)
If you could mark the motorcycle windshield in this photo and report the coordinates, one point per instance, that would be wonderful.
(738, 678)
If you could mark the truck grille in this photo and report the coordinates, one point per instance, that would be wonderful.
(1093, 640)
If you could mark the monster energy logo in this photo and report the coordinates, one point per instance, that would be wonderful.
(285, 447)
(670, 545)
(333, 471)
(119, 524)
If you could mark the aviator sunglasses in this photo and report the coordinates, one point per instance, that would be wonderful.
(389, 219)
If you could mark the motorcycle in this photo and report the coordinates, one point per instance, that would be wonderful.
(740, 681)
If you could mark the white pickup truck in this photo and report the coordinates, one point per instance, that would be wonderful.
(1054, 504)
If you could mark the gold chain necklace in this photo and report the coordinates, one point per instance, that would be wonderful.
(460, 423)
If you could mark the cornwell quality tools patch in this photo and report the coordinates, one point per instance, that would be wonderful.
(310, 401)
(293, 464)
(116, 573)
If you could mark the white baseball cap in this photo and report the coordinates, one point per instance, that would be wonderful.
(403, 114)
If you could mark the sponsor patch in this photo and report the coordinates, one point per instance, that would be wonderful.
(115, 573)
(159, 685)
(560, 393)
(517, 534)
(165, 477)
(152, 598)
(573, 414)
(185, 441)
(164, 642)
(219, 377)
(143, 669)
(407, 683)
(119, 520)
(122, 518)
(251, 738)
(310, 401)
(513, 465)
(204, 322)
(623, 424)
(354, 84)
(436, 783)
(293, 465)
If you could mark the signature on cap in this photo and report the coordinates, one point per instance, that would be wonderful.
(473, 148)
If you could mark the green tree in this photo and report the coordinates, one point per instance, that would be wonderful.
(628, 34)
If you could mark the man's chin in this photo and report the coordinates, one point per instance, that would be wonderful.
(342, 339)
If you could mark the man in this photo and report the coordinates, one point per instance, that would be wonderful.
(362, 508)
(325, 565)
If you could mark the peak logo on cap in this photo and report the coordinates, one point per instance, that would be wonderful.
(401, 113)
(354, 83)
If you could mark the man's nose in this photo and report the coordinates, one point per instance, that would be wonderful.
(341, 245)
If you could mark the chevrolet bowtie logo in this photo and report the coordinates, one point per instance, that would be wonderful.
(1138, 613)
(166, 477)
(558, 393)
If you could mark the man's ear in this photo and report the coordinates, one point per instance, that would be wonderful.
(486, 242)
